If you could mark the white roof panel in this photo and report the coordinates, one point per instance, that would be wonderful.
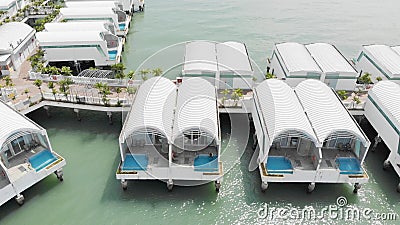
(297, 58)
(48, 38)
(386, 57)
(153, 107)
(13, 122)
(330, 59)
(232, 57)
(75, 26)
(387, 95)
(86, 4)
(88, 11)
(196, 108)
(11, 33)
(282, 110)
(200, 56)
(325, 111)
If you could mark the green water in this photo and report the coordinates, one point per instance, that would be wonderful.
(90, 194)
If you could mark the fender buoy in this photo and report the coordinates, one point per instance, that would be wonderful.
(314, 158)
(3, 173)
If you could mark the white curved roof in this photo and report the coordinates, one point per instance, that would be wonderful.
(4, 4)
(282, 110)
(196, 108)
(325, 111)
(232, 57)
(387, 95)
(153, 107)
(385, 56)
(87, 12)
(297, 58)
(11, 33)
(200, 56)
(13, 122)
(329, 58)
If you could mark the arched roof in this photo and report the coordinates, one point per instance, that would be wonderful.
(13, 122)
(200, 56)
(387, 95)
(282, 111)
(196, 108)
(325, 111)
(12, 33)
(153, 107)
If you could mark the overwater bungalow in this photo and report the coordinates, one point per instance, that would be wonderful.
(83, 49)
(12, 6)
(307, 135)
(226, 65)
(382, 109)
(294, 62)
(345, 145)
(125, 5)
(119, 18)
(380, 61)
(172, 133)
(289, 147)
(26, 155)
(196, 141)
(146, 135)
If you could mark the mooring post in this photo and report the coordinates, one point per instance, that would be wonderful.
(77, 114)
(109, 114)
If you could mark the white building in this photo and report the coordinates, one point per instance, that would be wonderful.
(17, 42)
(80, 26)
(380, 61)
(306, 135)
(170, 132)
(382, 109)
(225, 65)
(338, 73)
(26, 155)
(11, 6)
(119, 18)
(125, 5)
(90, 47)
(294, 62)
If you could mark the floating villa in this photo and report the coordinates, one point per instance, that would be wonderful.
(80, 26)
(226, 65)
(306, 135)
(119, 18)
(125, 5)
(380, 61)
(26, 155)
(382, 111)
(17, 42)
(81, 49)
(172, 134)
(294, 62)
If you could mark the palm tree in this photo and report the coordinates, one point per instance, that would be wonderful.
(54, 70)
(54, 92)
(66, 71)
(50, 85)
(131, 90)
(64, 86)
(342, 94)
(236, 95)
(378, 79)
(38, 83)
(131, 75)
(104, 91)
(269, 75)
(365, 79)
(225, 93)
(9, 82)
(143, 73)
(118, 90)
(157, 72)
(118, 70)
(26, 91)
